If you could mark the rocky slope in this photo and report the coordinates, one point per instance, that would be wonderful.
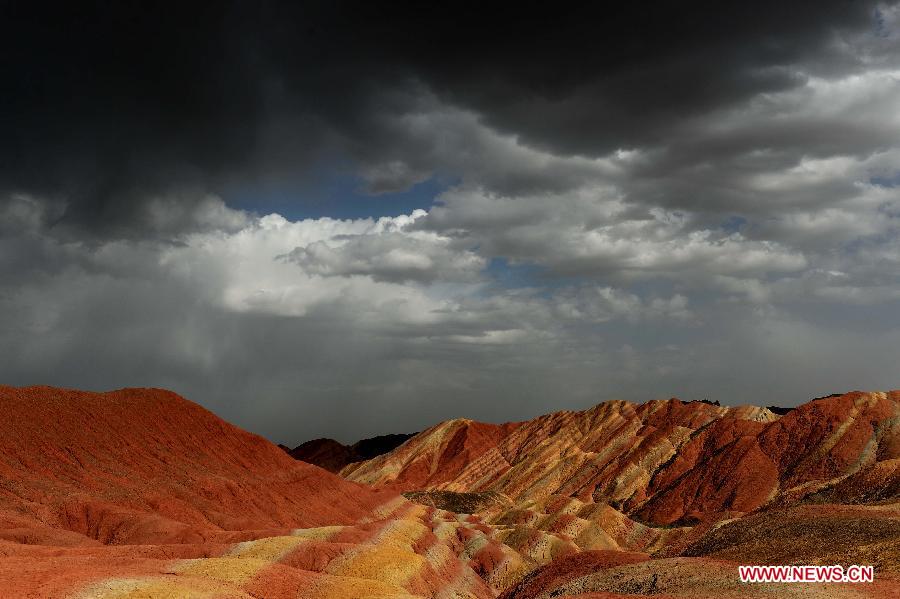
(141, 493)
(689, 482)
(143, 465)
(662, 462)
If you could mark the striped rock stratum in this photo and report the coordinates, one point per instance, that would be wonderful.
(140, 493)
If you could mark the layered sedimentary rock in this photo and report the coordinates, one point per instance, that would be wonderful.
(662, 462)
(143, 465)
(140, 493)
(697, 487)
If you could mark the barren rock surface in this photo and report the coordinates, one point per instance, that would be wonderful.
(664, 462)
(141, 493)
(815, 485)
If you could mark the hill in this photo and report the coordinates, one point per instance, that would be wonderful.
(140, 492)
(663, 462)
(696, 486)
(333, 455)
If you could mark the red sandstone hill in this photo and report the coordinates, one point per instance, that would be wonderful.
(147, 466)
(141, 493)
(665, 499)
(663, 462)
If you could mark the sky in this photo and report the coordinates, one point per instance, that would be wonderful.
(346, 219)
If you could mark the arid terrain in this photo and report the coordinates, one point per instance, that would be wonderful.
(142, 493)
(336, 299)
(333, 455)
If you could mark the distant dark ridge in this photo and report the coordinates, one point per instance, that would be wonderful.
(324, 453)
(367, 449)
(333, 455)
(827, 396)
(708, 402)
(782, 411)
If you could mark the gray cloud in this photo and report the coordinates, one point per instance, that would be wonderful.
(646, 202)
(391, 257)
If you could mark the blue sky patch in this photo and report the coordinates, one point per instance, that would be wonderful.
(734, 224)
(893, 181)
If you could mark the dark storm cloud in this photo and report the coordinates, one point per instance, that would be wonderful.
(104, 105)
(623, 76)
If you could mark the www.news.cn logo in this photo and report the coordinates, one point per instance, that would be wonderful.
(806, 573)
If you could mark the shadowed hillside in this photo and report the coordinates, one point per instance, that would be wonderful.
(333, 455)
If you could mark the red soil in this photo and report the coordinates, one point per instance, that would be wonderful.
(142, 487)
(147, 466)
(730, 486)
(460, 445)
(664, 462)
(141, 493)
